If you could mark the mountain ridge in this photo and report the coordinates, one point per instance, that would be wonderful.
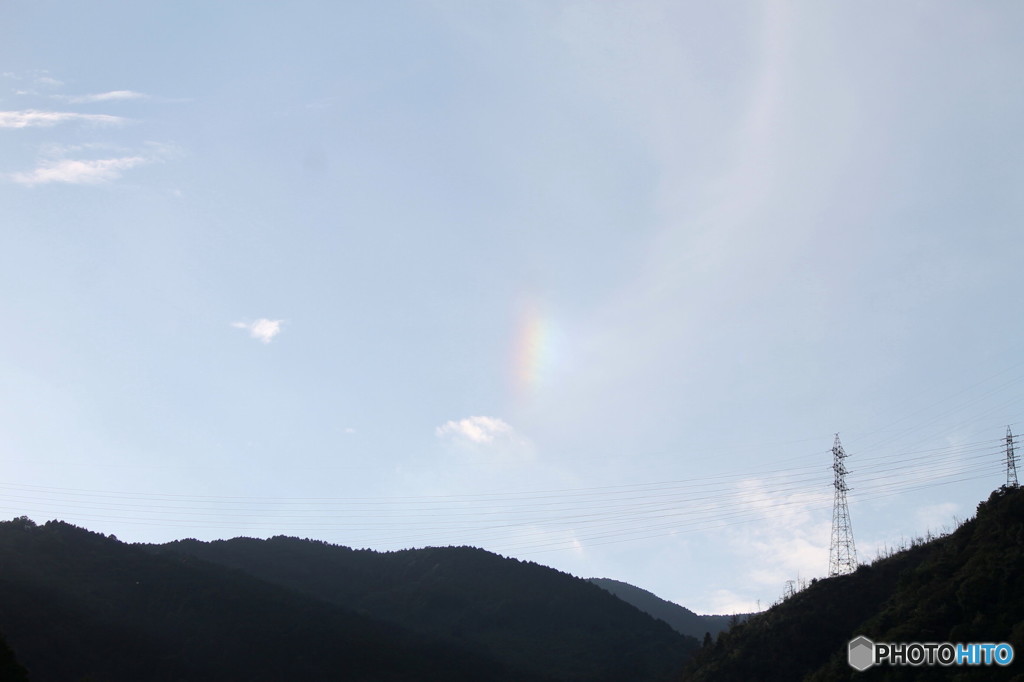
(76, 604)
(532, 616)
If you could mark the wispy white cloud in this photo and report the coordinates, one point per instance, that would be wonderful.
(54, 167)
(78, 172)
(487, 442)
(727, 602)
(84, 163)
(787, 539)
(478, 430)
(53, 150)
(37, 77)
(263, 329)
(110, 96)
(33, 118)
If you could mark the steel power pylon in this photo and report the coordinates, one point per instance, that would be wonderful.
(1011, 460)
(842, 555)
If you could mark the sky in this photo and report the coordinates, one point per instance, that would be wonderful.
(591, 284)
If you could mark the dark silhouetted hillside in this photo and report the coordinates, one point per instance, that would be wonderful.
(77, 605)
(681, 619)
(964, 587)
(10, 669)
(529, 616)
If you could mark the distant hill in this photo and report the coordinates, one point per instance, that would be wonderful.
(681, 619)
(963, 587)
(76, 605)
(528, 616)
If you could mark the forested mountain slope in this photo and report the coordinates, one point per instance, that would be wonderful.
(78, 605)
(963, 587)
(529, 616)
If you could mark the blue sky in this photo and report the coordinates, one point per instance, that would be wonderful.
(589, 284)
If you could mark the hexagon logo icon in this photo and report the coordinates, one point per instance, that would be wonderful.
(862, 653)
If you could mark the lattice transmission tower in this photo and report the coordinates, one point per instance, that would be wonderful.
(1011, 460)
(842, 555)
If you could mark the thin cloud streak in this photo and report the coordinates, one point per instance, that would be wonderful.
(54, 168)
(78, 172)
(33, 118)
(113, 95)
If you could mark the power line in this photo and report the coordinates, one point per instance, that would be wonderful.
(526, 532)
